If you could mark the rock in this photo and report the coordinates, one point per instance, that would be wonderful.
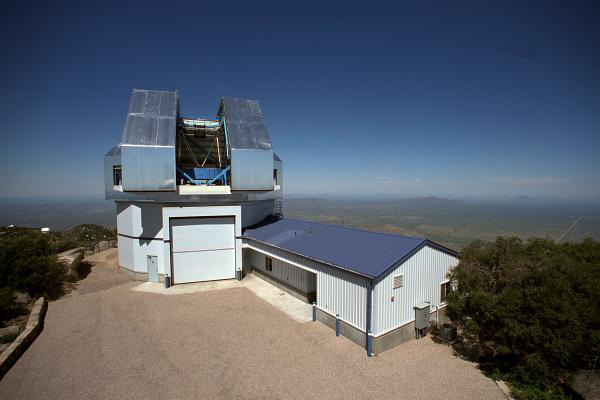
(587, 384)
(4, 346)
(72, 258)
(22, 298)
(112, 243)
(9, 331)
(103, 245)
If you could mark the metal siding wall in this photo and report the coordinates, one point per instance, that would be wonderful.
(290, 274)
(423, 274)
(338, 291)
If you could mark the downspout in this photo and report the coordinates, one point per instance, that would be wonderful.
(368, 319)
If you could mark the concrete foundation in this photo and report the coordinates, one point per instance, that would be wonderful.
(404, 333)
(297, 293)
(394, 338)
(140, 276)
(346, 330)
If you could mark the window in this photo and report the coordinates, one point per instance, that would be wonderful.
(117, 175)
(268, 264)
(398, 281)
(446, 289)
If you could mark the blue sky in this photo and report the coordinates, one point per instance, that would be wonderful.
(416, 98)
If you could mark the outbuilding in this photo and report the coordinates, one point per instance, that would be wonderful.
(385, 284)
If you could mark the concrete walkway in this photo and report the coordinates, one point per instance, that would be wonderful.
(119, 343)
(291, 306)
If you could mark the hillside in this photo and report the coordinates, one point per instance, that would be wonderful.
(85, 235)
(451, 222)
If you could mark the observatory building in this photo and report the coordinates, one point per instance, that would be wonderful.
(201, 200)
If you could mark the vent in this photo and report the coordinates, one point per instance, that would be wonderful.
(398, 281)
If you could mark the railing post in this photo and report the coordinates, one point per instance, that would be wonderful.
(369, 343)
(314, 304)
(337, 324)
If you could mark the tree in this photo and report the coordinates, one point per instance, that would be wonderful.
(28, 263)
(531, 309)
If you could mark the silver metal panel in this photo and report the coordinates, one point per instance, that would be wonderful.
(244, 123)
(423, 274)
(251, 169)
(338, 291)
(148, 168)
(151, 119)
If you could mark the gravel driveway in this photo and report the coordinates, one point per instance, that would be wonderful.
(110, 343)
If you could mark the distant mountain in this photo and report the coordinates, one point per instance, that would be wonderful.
(525, 198)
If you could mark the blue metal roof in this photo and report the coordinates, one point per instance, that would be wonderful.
(366, 253)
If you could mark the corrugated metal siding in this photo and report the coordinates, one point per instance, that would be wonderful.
(423, 274)
(338, 291)
(284, 272)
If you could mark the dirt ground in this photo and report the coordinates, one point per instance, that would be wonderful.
(106, 341)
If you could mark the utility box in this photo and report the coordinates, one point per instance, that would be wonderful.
(421, 316)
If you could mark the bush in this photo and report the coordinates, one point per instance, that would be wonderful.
(28, 263)
(530, 308)
(8, 308)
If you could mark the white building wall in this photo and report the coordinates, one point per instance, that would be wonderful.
(338, 291)
(139, 220)
(125, 250)
(139, 229)
(423, 274)
(253, 213)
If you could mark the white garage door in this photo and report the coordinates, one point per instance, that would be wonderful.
(203, 248)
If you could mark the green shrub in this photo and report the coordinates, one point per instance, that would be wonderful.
(531, 308)
(28, 263)
(8, 308)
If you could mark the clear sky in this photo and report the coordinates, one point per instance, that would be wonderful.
(442, 98)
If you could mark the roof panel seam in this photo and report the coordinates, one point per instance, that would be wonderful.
(311, 258)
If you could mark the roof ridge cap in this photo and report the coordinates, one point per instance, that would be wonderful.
(357, 229)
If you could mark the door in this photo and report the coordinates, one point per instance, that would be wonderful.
(203, 248)
(152, 263)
